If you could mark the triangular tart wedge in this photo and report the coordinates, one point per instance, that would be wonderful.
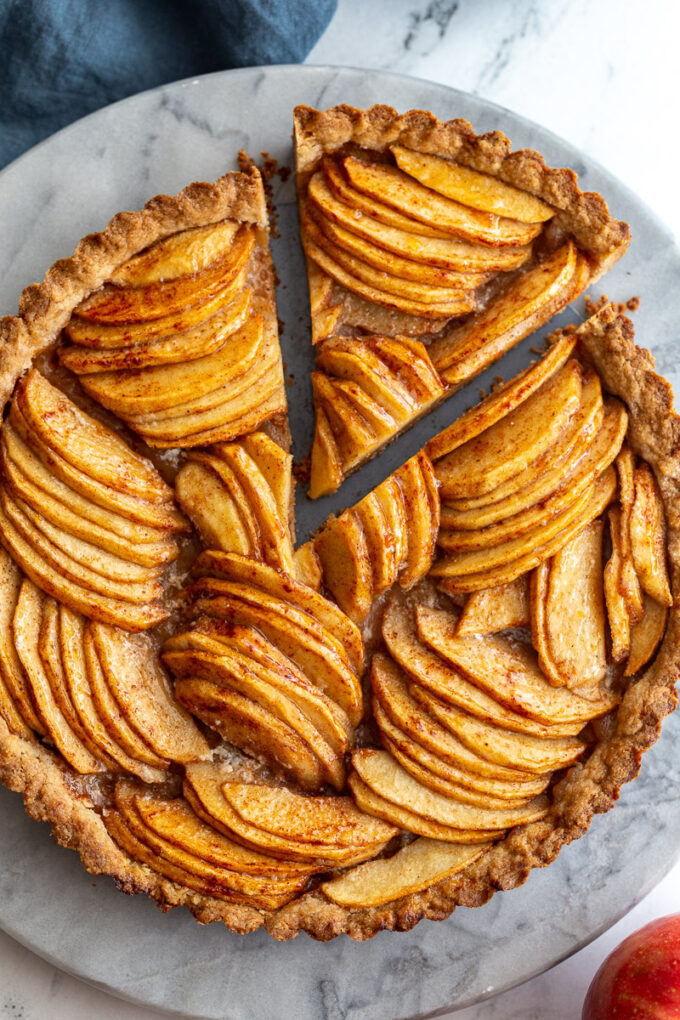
(430, 236)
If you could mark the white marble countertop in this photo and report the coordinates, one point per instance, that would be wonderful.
(603, 74)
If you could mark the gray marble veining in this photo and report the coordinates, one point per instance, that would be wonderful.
(73, 184)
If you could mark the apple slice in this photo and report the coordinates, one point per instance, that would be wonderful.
(210, 506)
(295, 633)
(617, 609)
(414, 241)
(346, 564)
(281, 586)
(493, 609)
(508, 447)
(508, 671)
(26, 630)
(539, 628)
(410, 361)
(326, 474)
(413, 868)
(349, 358)
(646, 635)
(429, 671)
(71, 646)
(143, 691)
(11, 671)
(391, 498)
(275, 465)
(537, 755)
(381, 774)
(307, 566)
(350, 432)
(382, 546)
(502, 401)
(648, 537)
(198, 342)
(114, 304)
(393, 187)
(629, 581)
(183, 254)
(421, 504)
(472, 188)
(378, 419)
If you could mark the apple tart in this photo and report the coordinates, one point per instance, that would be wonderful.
(407, 712)
(431, 251)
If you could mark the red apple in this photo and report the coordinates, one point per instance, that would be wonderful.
(640, 980)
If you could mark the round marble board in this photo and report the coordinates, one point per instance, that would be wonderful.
(72, 184)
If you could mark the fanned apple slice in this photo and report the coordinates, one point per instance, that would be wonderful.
(646, 635)
(413, 868)
(343, 551)
(430, 671)
(26, 630)
(648, 537)
(493, 609)
(506, 448)
(539, 629)
(486, 568)
(208, 503)
(506, 670)
(629, 581)
(617, 609)
(421, 504)
(414, 243)
(197, 342)
(143, 691)
(410, 361)
(472, 188)
(349, 358)
(183, 254)
(389, 687)
(114, 304)
(393, 187)
(326, 473)
(276, 467)
(381, 773)
(307, 566)
(281, 586)
(391, 498)
(353, 436)
(11, 671)
(157, 388)
(382, 548)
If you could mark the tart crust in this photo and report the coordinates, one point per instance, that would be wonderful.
(590, 787)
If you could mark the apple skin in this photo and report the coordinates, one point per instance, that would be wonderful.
(640, 980)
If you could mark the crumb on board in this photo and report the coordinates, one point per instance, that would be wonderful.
(303, 469)
(621, 307)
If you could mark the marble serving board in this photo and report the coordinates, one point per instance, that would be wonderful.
(72, 184)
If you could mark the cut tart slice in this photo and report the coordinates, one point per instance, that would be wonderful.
(426, 236)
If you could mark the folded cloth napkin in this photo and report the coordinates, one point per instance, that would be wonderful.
(61, 59)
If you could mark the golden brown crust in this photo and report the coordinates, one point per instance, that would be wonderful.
(583, 214)
(45, 308)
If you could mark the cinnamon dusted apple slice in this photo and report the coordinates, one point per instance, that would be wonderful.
(471, 188)
(391, 498)
(648, 537)
(409, 360)
(343, 551)
(198, 341)
(26, 626)
(484, 568)
(646, 635)
(508, 671)
(324, 309)
(275, 465)
(413, 868)
(381, 543)
(213, 500)
(142, 689)
(326, 472)
(629, 581)
(426, 669)
(115, 304)
(183, 254)
(532, 299)
(352, 359)
(617, 609)
(281, 586)
(393, 187)
(418, 486)
(384, 777)
(12, 672)
(307, 566)
(493, 609)
(506, 448)
(539, 629)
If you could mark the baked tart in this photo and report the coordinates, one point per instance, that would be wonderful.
(405, 713)
(431, 251)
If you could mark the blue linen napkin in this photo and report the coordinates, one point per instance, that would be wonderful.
(62, 59)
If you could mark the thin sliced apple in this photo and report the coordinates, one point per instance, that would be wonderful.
(393, 187)
(539, 629)
(307, 566)
(350, 358)
(507, 671)
(26, 630)
(617, 608)
(421, 504)
(472, 188)
(646, 635)
(629, 581)
(142, 689)
(276, 467)
(346, 564)
(324, 310)
(282, 586)
(502, 401)
(382, 545)
(413, 868)
(212, 509)
(198, 342)
(183, 254)
(351, 434)
(379, 420)
(326, 473)
(381, 773)
(391, 499)
(228, 427)
(508, 447)
(648, 537)
(493, 609)
(409, 360)
(412, 241)
(11, 671)
(114, 304)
